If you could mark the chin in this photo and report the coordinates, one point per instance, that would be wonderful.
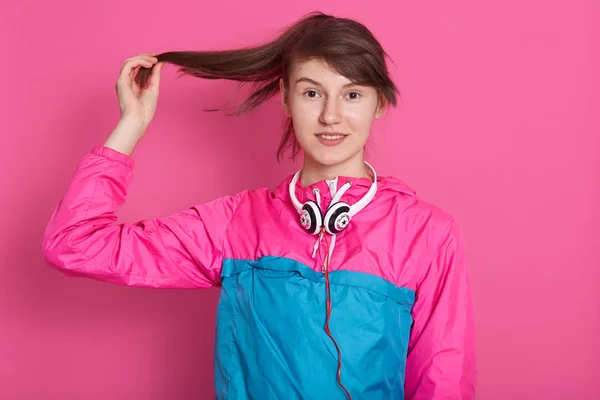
(329, 158)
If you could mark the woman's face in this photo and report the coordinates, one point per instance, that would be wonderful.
(332, 117)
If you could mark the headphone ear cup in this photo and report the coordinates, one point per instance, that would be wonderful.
(337, 218)
(311, 218)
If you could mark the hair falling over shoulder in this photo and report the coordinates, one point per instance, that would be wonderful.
(344, 44)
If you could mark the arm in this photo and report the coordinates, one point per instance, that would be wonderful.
(84, 238)
(441, 360)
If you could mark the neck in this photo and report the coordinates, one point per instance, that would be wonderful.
(313, 172)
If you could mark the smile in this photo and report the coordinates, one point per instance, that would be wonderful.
(331, 135)
(331, 138)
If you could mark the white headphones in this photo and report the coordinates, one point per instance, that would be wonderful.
(338, 214)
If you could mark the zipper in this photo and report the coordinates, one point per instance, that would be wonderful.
(332, 184)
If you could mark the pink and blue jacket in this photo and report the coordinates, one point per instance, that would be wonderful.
(402, 308)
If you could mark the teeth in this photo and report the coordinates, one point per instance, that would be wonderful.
(332, 137)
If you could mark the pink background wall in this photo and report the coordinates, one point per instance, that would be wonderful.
(499, 125)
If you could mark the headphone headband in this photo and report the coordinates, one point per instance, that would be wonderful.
(308, 208)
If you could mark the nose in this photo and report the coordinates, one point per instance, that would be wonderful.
(331, 114)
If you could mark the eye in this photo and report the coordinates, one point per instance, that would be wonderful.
(353, 95)
(311, 93)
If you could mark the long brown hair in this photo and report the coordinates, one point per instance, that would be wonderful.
(344, 44)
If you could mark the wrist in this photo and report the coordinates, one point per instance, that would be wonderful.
(125, 136)
(131, 124)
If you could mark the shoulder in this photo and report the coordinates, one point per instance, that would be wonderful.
(436, 221)
(249, 200)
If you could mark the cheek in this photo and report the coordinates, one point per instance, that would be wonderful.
(303, 106)
(305, 115)
(359, 118)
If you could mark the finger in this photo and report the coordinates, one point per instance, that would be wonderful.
(133, 62)
(152, 88)
(147, 57)
(142, 55)
(129, 68)
(155, 76)
(143, 64)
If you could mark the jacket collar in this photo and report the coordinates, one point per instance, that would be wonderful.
(386, 186)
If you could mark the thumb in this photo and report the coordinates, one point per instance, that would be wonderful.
(154, 82)
(151, 91)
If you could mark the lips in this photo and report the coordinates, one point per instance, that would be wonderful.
(332, 135)
(331, 138)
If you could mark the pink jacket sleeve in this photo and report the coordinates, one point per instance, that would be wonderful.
(441, 360)
(84, 237)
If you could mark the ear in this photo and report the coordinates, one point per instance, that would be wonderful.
(284, 94)
(380, 107)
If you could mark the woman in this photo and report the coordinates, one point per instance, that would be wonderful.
(337, 284)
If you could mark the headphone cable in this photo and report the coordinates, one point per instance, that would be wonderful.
(328, 314)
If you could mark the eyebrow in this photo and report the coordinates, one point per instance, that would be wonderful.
(304, 79)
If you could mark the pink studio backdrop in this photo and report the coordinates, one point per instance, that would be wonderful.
(499, 125)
